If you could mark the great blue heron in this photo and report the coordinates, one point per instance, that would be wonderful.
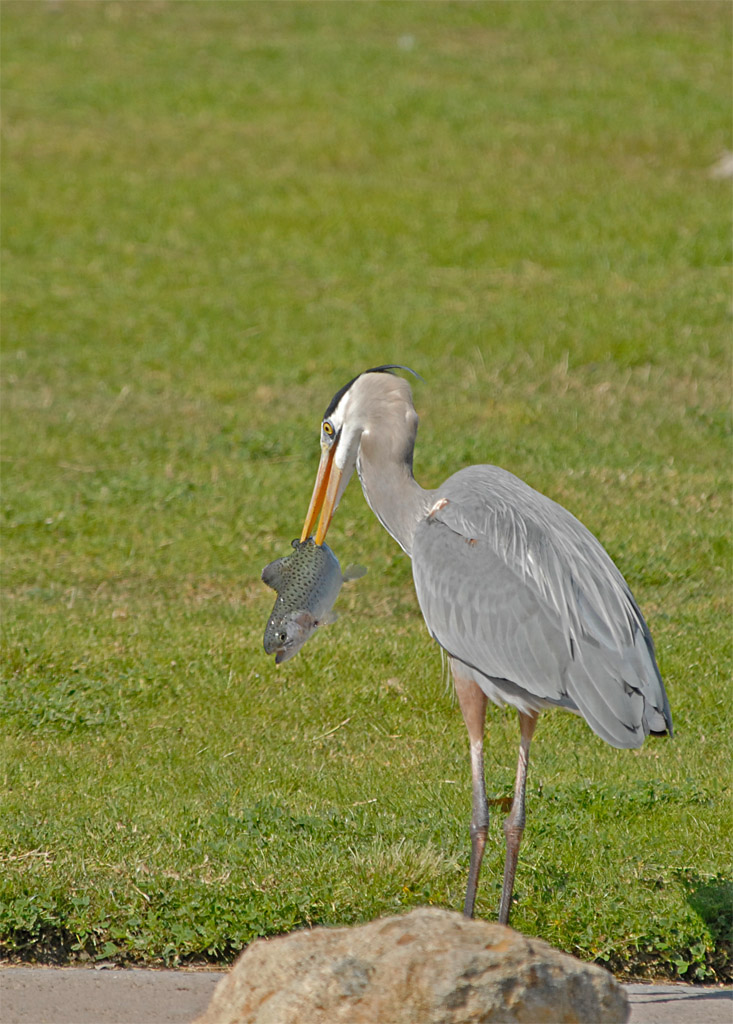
(527, 604)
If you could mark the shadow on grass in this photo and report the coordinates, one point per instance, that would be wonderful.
(712, 900)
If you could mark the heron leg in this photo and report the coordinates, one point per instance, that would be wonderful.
(514, 824)
(473, 703)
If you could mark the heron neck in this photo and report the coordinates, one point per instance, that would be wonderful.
(392, 493)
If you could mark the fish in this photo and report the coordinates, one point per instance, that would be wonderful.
(307, 584)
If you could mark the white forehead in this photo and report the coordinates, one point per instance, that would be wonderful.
(340, 411)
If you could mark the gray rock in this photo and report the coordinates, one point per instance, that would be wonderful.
(430, 966)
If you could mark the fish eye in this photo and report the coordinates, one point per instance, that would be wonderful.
(282, 637)
(328, 428)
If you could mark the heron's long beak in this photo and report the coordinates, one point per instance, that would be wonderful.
(325, 497)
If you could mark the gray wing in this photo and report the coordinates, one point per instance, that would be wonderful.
(514, 586)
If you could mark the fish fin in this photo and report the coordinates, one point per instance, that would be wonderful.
(272, 574)
(304, 619)
(354, 572)
(328, 619)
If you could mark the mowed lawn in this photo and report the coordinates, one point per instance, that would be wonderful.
(215, 214)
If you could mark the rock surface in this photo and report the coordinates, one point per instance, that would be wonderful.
(430, 966)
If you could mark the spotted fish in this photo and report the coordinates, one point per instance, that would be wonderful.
(307, 585)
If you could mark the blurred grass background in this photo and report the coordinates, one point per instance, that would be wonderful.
(214, 214)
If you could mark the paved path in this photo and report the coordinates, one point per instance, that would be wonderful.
(78, 995)
(680, 1004)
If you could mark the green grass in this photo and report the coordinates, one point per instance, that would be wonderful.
(214, 215)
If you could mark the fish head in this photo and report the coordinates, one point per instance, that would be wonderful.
(292, 632)
(275, 633)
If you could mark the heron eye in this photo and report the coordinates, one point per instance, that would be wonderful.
(328, 428)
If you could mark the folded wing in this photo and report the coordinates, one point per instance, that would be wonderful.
(515, 587)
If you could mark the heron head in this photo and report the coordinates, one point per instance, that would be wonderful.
(359, 407)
